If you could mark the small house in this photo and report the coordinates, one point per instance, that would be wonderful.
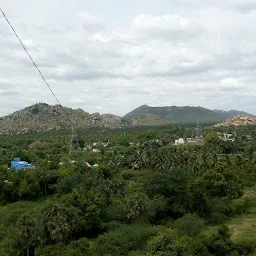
(17, 164)
(180, 141)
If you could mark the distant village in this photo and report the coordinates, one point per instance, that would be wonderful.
(18, 164)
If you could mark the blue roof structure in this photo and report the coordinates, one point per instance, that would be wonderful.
(17, 164)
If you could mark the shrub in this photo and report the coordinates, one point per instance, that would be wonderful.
(127, 176)
(190, 225)
(75, 248)
(167, 244)
(124, 239)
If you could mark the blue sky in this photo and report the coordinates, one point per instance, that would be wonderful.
(112, 56)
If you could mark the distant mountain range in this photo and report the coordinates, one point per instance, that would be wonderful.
(43, 117)
(146, 115)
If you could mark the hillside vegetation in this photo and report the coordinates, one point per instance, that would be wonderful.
(162, 115)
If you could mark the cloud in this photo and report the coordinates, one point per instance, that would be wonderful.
(168, 27)
(90, 22)
(184, 54)
(244, 5)
(231, 85)
(77, 100)
(8, 93)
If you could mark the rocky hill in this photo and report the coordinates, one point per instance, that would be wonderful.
(240, 120)
(144, 115)
(43, 117)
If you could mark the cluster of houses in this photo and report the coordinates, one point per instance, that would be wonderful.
(221, 135)
(95, 147)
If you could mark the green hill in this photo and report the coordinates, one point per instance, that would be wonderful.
(144, 114)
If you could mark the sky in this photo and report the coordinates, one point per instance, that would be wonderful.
(113, 56)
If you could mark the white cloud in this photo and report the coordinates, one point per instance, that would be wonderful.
(168, 27)
(244, 5)
(77, 100)
(90, 22)
(200, 54)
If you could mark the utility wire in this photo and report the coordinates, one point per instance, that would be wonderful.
(49, 87)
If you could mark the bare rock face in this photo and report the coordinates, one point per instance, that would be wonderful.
(241, 120)
(43, 117)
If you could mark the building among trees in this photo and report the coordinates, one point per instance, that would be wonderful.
(17, 164)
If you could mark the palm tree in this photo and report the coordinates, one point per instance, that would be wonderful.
(27, 233)
(136, 207)
(56, 222)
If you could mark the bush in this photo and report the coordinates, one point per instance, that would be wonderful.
(158, 208)
(219, 210)
(75, 248)
(190, 225)
(217, 218)
(240, 206)
(244, 246)
(167, 244)
(115, 211)
(127, 176)
(217, 240)
(123, 240)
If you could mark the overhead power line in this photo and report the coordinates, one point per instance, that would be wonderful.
(74, 140)
(40, 73)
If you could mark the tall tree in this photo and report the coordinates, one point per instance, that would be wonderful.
(27, 231)
(58, 221)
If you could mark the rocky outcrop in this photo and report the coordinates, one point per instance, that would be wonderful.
(43, 117)
(240, 120)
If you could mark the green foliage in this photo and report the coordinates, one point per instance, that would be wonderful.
(136, 207)
(211, 138)
(168, 244)
(190, 225)
(223, 182)
(217, 241)
(27, 231)
(39, 145)
(158, 208)
(124, 239)
(58, 222)
(80, 178)
(90, 204)
(76, 248)
(123, 140)
(146, 197)
(172, 184)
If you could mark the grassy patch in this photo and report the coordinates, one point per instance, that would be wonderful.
(245, 225)
(242, 224)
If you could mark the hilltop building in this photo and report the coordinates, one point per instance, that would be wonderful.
(17, 164)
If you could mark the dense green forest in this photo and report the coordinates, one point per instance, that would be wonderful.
(142, 196)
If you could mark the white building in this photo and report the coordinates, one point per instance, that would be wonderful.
(180, 141)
